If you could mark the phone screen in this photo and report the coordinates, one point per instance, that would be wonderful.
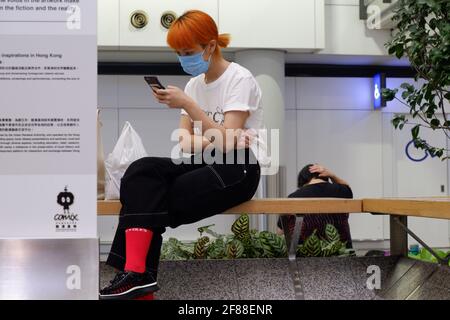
(154, 83)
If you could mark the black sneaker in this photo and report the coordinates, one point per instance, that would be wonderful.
(128, 285)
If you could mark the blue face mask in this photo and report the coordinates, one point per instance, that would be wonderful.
(194, 65)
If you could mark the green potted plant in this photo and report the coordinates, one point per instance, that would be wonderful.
(424, 255)
(422, 34)
(246, 243)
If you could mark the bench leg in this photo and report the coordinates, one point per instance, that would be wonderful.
(292, 243)
(402, 224)
(292, 238)
(399, 236)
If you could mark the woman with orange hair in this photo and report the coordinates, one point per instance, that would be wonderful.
(221, 116)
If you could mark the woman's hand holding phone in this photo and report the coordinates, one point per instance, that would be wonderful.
(172, 96)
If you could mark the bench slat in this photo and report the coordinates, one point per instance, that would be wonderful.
(435, 207)
(270, 206)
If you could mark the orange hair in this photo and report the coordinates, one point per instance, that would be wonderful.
(195, 27)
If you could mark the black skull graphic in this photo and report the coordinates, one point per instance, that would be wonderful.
(65, 199)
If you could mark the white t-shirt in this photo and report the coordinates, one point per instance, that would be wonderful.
(235, 90)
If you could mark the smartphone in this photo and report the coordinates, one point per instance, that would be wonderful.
(154, 83)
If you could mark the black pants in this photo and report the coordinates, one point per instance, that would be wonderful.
(157, 193)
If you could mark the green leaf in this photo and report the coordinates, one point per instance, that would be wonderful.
(407, 86)
(435, 123)
(267, 250)
(415, 131)
(311, 246)
(201, 247)
(206, 229)
(391, 49)
(235, 249)
(432, 23)
(332, 248)
(275, 244)
(217, 249)
(174, 249)
(399, 50)
(405, 94)
(389, 94)
(202, 229)
(399, 120)
(332, 233)
(241, 227)
(425, 255)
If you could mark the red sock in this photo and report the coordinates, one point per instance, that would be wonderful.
(137, 241)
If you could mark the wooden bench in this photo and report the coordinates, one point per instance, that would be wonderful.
(398, 209)
(289, 206)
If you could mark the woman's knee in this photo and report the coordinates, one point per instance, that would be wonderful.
(140, 167)
(134, 173)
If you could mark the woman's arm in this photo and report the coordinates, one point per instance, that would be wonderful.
(224, 137)
(228, 133)
(189, 142)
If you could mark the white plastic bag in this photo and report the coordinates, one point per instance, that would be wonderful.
(128, 149)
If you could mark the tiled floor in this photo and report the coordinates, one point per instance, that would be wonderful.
(320, 278)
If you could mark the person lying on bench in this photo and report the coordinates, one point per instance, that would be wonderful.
(314, 182)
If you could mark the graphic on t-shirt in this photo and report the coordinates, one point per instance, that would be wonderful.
(217, 116)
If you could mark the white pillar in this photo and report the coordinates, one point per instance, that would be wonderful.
(268, 67)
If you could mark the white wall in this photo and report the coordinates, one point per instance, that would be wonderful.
(328, 120)
(347, 38)
(293, 25)
(346, 34)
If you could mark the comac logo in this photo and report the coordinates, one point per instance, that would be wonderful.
(66, 221)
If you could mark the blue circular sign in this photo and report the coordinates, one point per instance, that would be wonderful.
(409, 155)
